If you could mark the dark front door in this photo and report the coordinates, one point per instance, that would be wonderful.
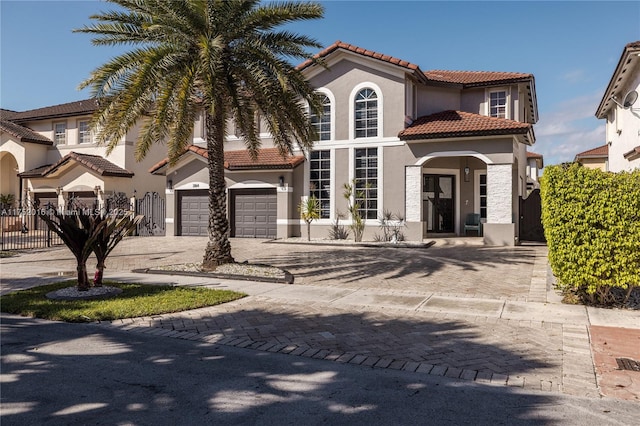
(439, 203)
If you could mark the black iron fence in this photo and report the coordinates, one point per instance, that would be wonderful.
(22, 229)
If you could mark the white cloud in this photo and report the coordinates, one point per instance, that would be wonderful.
(575, 76)
(569, 128)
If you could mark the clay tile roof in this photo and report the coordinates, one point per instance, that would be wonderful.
(533, 155)
(634, 153)
(359, 50)
(451, 124)
(601, 151)
(23, 134)
(87, 106)
(476, 78)
(268, 158)
(96, 163)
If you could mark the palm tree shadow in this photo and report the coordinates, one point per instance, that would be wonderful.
(507, 268)
(162, 380)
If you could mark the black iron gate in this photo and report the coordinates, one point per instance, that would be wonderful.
(152, 206)
(531, 228)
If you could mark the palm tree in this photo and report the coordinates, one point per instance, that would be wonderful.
(223, 58)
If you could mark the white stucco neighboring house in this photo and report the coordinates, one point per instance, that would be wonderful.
(620, 107)
(49, 154)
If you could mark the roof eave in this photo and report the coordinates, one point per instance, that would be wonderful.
(625, 58)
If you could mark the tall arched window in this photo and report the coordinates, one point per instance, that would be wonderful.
(322, 123)
(366, 114)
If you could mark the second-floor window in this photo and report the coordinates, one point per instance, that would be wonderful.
(84, 132)
(60, 133)
(366, 180)
(366, 114)
(498, 104)
(322, 123)
(320, 180)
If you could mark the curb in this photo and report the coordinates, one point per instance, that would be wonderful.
(288, 277)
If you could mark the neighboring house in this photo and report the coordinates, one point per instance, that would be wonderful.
(596, 158)
(49, 154)
(534, 164)
(620, 106)
(429, 146)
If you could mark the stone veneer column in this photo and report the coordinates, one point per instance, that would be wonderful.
(499, 193)
(413, 202)
(499, 228)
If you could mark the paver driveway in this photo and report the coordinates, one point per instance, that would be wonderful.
(332, 313)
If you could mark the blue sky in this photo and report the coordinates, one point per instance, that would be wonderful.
(571, 47)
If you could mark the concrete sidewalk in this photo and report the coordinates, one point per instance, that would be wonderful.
(466, 312)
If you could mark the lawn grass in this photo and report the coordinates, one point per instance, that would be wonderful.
(136, 300)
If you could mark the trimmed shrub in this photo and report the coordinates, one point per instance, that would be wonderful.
(592, 226)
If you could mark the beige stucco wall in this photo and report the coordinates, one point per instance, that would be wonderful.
(345, 76)
(594, 163)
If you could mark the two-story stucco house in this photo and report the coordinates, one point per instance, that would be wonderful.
(430, 146)
(49, 154)
(620, 106)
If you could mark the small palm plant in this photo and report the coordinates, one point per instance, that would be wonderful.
(358, 220)
(309, 211)
(78, 231)
(107, 238)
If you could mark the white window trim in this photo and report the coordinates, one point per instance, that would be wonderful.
(332, 179)
(66, 138)
(487, 101)
(332, 116)
(476, 189)
(352, 114)
(352, 174)
(79, 142)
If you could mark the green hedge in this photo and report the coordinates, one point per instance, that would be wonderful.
(592, 225)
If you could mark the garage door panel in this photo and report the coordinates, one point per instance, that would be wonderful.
(194, 213)
(255, 214)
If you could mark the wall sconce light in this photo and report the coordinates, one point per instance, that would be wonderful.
(169, 184)
(281, 181)
(97, 189)
(467, 171)
(59, 190)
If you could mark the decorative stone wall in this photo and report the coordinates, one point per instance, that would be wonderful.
(413, 193)
(499, 193)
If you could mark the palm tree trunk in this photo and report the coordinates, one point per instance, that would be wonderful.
(83, 279)
(218, 250)
(97, 278)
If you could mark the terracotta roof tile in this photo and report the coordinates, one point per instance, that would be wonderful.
(87, 106)
(634, 153)
(359, 50)
(533, 155)
(601, 151)
(451, 124)
(268, 158)
(24, 134)
(96, 163)
(476, 78)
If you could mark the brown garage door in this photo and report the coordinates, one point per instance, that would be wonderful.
(254, 213)
(194, 212)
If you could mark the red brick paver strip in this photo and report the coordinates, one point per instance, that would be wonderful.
(609, 343)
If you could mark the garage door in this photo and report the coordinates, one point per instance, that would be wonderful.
(254, 213)
(194, 213)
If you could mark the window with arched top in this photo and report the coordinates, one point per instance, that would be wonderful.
(322, 123)
(366, 113)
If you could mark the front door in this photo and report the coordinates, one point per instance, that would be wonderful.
(439, 199)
